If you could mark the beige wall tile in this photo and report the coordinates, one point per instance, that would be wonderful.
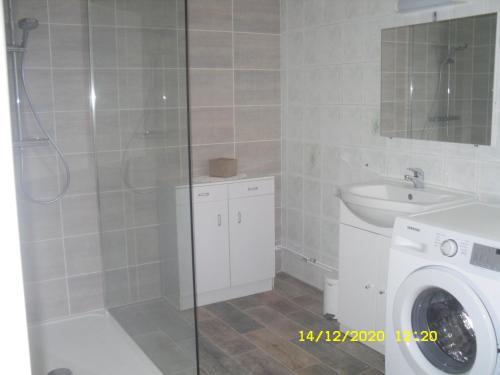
(68, 11)
(211, 88)
(146, 48)
(210, 49)
(257, 87)
(146, 13)
(70, 46)
(202, 154)
(212, 125)
(260, 16)
(259, 158)
(257, 123)
(259, 51)
(210, 14)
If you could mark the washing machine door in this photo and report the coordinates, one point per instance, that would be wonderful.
(438, 299)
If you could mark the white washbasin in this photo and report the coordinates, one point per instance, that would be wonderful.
(379, 203)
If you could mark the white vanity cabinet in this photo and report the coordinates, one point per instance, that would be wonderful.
(211, 226)
(363, 263)
(234, 238)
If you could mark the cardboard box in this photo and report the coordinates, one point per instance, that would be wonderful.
(223, 167)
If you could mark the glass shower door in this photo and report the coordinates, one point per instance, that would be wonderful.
(142, 150)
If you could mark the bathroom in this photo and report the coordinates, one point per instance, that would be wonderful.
(188, 182)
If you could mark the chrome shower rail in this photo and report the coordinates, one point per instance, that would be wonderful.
(15, 48)
(31, 142)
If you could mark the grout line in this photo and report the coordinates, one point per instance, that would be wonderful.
(60, 202)
(273, 70)
(234, 31)
(77, 275)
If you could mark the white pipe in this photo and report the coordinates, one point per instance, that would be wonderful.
(312, 261)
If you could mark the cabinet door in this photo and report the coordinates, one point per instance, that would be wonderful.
(211, 246)
(383, 269)
(252, 239)
(357, 277)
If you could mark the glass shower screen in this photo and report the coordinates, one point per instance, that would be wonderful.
(142, 150)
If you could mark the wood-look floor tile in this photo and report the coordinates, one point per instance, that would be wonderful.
(287, 290)
(306, 288)
(191, 371)
(215, 362)
(283, 276)
(203, 314)
(310, 303)
(234, 317)
(264, 314)
(285, 328)
(259, 334)
(267, 297)
(372, 371)
(259, 363)
(317, 370)
(364, 353)
(215, 328)
(281, 350)
(225, 337)
(333, 357)
(278, 302)
(312, 321)
(284, 306)
(247, 302)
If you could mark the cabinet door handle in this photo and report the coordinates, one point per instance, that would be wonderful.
(203, 194)
(253, 188)
(239, 217)
(381, 292)
(219, 220)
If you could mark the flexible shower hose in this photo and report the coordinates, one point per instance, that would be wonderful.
(51, 141)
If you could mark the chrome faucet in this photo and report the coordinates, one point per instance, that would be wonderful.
(417, 178)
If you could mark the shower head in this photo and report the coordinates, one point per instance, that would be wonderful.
(452, 50)
(27, 24)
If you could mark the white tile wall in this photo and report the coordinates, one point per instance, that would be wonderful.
(330, 76)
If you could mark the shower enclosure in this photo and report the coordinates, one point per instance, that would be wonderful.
(101, 144)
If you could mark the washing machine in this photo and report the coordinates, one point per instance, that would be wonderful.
(443, 294)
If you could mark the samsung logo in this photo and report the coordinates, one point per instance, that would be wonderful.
(412, 228)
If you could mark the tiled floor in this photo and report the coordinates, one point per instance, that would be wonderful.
(258, 335)
(254, 335)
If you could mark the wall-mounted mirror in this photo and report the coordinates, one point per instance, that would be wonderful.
(437, 80)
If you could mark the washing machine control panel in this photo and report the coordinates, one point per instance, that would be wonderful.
(449, 248)
(485, 257)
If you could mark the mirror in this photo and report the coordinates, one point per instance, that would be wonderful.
(437, 80)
